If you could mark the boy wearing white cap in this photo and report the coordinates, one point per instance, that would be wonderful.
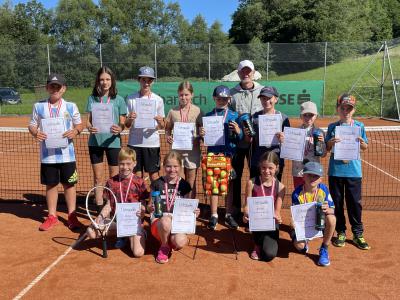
(308, 115)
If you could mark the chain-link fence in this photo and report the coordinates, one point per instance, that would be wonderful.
(367, 69)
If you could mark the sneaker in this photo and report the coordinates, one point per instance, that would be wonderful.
(212, 223)
(340, 240)
(120, 243)
(323, 257)
(162, 255)
(73, 222)
(255, 254)
(360, 242)
(305, 249)
(49, 223)
(230, 222)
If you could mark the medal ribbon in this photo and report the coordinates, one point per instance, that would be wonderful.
(225, 115)
(170, 201)
(184, 117)
(272, 188)
(314, 196)
(58, 108)
(127, 190)
(108, 100)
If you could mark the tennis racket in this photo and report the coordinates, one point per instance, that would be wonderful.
(100, 223)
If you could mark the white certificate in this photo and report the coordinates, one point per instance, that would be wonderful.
(54, 129)
(303, 216)
(184, 217)
(145, 112)
(128, 223)
(183, 136)
(349, 146)
(268, 127)
(261, 213)
(294, 143)
(102, 117)
(214, 129)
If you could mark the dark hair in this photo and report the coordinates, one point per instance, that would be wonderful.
(270, 157)
(97, 92)
(185, 85)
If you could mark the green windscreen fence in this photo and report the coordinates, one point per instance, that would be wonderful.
(292, 93)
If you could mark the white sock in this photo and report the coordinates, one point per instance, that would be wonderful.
(214, 215)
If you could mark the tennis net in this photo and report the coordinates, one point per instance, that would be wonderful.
(20, 168)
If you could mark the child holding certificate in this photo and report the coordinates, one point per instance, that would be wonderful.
(104, 94)
(128, 188)
(266, 184)
(269, 97)
(58, 162)
(232, 134)
(314, 191)
(186, 112)
(169, 187)
(345, 176)
(308, 115)
(145, 141)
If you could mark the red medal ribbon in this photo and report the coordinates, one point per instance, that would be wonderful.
(184, 117)
(314, 197)
(108, 99)
(272, 188)
(58, 108)
(225, 115)
(170, 201)
(127, 190)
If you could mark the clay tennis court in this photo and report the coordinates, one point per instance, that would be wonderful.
(41, 264)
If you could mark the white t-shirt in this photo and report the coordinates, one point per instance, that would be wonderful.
(144, 137)
(70, 113)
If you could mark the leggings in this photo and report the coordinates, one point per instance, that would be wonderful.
(268, 243)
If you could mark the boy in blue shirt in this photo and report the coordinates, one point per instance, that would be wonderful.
(345, 177)
(222, 98)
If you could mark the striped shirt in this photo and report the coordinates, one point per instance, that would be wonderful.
(69, 111)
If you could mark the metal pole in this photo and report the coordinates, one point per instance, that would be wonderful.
(267, 60)
(209, 62)
(394, 87)
(383, 76)
(324, 95)
(101, 57)
(48, 57)
(155, 60)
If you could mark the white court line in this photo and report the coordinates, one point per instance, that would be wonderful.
(47, 270)
(386, 145)
(380, 170)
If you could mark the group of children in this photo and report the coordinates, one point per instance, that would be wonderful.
(127, 165)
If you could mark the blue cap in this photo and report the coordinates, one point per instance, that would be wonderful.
(222, 91)
(314, 168)
(146, 72)
(268, 91)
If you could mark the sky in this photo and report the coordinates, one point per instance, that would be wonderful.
(211, 10)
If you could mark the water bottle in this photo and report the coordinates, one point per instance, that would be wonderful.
(319, 217)
(244, 119)
(318, 150)
(156, 198)
(231, 132)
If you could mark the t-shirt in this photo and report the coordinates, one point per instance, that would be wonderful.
(257, 150)
(70, 113)
(229, 148)
(159, 185)
(144, 137)
(107, 140)
(298, 197)
(137, 190)
(340, 168)
(298, 166)
(258, 188)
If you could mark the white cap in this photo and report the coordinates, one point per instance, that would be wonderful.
(245, 63)
(308, 107)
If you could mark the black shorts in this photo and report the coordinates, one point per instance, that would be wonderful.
(147, 159)
(53, 174)
(97, 154)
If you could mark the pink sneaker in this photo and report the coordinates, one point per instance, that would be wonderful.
(255, 254)
(49, 223)
(162, 255)
(73, 222)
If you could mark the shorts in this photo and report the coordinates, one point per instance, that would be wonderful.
(97, 153)
(53, 174)
(147, 159)
(191, 159)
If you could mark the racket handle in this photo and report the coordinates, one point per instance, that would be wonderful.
(104, 242)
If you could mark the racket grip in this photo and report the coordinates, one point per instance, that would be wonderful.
(104, 243)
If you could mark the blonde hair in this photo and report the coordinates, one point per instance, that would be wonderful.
(173, 155)
(270, 157)
(127, 153)
(185, 85)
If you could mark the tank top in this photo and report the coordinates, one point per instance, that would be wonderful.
(258, 186)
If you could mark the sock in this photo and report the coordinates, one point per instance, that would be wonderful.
(214, 215)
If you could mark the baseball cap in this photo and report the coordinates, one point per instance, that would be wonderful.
(346, 99)
(146, 72)
(246, 63)
(308, 107)
(222, 91)
(314, 168)
(268, 91)
(56, 78)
